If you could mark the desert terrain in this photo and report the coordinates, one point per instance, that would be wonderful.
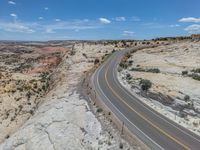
(167, 78)
(24, 80)
(41, 106)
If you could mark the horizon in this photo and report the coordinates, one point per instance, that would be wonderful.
(88, 40)
(97, 20)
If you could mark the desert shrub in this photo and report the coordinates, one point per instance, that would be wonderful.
(39, 90)
(143, 42)
(138, 69)
(121, 145)
(96, 61)
(153, 70)
(130, 62)
(22, 66)
(190, 105)
(196, 124)
(28, 95)
(123, 42)
(145, 84)
(195, 76)
(7, 136)
(84, 55)
(113, 50)
(32, 81)
(128, 76)
(20, 89)
(72, 53)
(31, 112)
(44, 76)
(35, 86)
(196, 70)
(186, 98)
(184, 73)
(43, 87)
(128, 55)
(137, 65)
(109, 143)
(99, 110)
(123, 65)
(182, 114)
(27, 87)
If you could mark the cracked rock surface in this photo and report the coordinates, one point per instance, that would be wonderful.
(64, 121)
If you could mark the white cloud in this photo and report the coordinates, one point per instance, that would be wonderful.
(104, 21)
(49, 30)
(195, 28)
(13, 15)
(57, 20)
(128, 33)
(15, 27)
(46, 8)
(174, 25)
(190, 19)
(135, 18)
(75, 25)
(50, 27)
(120, 19)
(40, 18)
(11, 3)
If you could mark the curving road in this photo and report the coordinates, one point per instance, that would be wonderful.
(154, 129)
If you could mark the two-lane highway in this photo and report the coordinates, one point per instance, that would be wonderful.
(154, 129)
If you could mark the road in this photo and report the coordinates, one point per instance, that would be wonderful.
(154, 129)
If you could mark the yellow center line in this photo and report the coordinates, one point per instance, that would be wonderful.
(144, 118)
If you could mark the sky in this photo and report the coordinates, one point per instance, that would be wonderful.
(97, 19)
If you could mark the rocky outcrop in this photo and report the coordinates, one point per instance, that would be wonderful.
(64, 119)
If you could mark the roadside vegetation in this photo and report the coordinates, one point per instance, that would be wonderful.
(194, 74)
(172, 87)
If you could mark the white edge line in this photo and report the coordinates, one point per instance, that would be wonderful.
(140, 103)
(123, 114)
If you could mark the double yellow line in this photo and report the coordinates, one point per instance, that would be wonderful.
(143, 117)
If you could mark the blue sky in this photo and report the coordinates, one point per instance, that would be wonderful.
(97, 19)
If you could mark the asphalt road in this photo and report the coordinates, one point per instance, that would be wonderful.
(152, 128)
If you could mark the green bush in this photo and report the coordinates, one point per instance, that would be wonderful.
(113, 50)
(72, 53)
(186, 98)
(128, 76)
(124, 65)
(196, 70)
(130, 62)
(154, 70)
(84, 55)
(96, 61)
(138, 69)
(128, 55)
(121, 146)
(195, 76)
(99, 110)
(145, 84)
(184, 73)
